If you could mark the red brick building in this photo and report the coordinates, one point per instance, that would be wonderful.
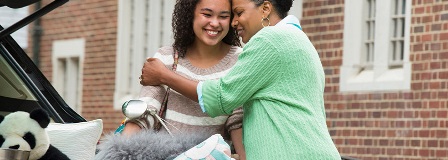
(386, 65)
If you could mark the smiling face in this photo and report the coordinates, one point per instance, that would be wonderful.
(247, 18)
(211, 21)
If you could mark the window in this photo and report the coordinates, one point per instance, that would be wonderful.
(376, 45)
(67, 59)
(370, 38)
(397, 40)
(143, 27)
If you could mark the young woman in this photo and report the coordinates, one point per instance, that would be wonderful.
(207, 47)
(278, 79)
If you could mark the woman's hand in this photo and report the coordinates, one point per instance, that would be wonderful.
(152, 72)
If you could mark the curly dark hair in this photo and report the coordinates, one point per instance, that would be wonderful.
(184, 36)
(281, 6)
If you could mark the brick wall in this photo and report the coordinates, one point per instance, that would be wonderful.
(96, 21)
(387, 125)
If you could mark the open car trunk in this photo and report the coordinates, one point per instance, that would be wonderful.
(23, 87)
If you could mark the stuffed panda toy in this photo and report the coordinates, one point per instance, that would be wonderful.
(26, 131)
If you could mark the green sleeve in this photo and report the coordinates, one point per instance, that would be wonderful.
(256, 68)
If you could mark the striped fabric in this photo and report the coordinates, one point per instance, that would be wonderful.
(185, 114)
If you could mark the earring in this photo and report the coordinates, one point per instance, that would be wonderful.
(265, 19)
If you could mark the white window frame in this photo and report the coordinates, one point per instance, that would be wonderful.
(67, 60)
(353, 77)
(143, 27)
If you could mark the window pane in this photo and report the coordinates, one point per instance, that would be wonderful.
(367, 58)
(403, 7)
(72, 85)
(397, 40)
(395, 27)
(372, 54)
(62, 78)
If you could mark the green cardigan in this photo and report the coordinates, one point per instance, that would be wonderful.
(280, 82)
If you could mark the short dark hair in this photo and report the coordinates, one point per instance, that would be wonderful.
(281, 6)
(184, 36)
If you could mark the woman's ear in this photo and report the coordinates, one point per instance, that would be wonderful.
(267, 8)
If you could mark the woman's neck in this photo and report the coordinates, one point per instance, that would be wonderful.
(274, 20)
(205, 56)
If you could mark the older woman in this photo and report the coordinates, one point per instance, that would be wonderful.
(278, 79)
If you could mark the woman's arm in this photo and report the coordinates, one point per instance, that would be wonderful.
(234, 125)
(153, 96)
(257, 68)
(155, 73)
(130, 128)
(237, 140)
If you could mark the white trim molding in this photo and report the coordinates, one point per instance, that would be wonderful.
(143, 27)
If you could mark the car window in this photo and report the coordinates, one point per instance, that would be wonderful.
(14, 94)
(11, 84)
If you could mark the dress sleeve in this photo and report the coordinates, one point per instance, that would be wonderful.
(235, 121)
(153, 96)
(199, 92)
(255, 69)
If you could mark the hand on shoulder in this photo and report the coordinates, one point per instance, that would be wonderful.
(152, 72)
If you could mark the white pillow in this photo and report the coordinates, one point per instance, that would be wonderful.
(77, 140)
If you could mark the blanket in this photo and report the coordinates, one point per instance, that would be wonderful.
(147, 145)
